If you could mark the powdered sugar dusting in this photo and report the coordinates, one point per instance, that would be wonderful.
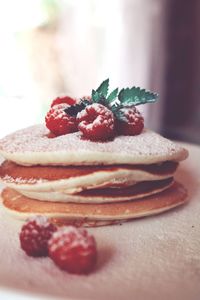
(134, 259)
(41, 221)
(71, 236)
(20, 180)
(35, 139)
(94, 116)
(132, 114)
(82, 114)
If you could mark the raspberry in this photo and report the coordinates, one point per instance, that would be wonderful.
(73, 250)
(65, 99)
(58, 122)
(34, 236)
(96, 122)
(134, 124)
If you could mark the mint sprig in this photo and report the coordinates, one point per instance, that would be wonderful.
(116, 100)
(119, 115)
(75, 109)
(103, 88)
(97, 97)
(112, 96)
(127, 97)
(136, 96)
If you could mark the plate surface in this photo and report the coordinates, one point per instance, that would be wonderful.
(150, 258)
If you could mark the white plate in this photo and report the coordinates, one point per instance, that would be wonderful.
(150, 258)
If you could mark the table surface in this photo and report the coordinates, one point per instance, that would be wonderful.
(149, 258)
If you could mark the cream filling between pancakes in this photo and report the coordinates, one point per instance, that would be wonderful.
(107, 195)
(22, 207)
(92, 181)
(80, 178)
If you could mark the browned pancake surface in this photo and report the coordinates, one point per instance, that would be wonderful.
(173, 196)
(15, 171)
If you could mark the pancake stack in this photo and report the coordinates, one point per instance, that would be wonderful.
(80, 182)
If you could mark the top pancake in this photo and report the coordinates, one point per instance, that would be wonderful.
(32, 146)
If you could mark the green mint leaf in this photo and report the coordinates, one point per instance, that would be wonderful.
(93, 93)
(135, 96)
(96, 96)
(103, 88)
(84, 102)
(115, 107)
(119, 115)
(112, 96)
(75, 109)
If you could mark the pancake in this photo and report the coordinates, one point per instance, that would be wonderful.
(23, 207)
(74, 179)
(108, 195)
(32, 146)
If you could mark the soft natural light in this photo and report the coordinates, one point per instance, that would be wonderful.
(70, 53)
(23, 15)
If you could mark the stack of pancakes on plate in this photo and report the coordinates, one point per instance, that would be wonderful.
(76, 181)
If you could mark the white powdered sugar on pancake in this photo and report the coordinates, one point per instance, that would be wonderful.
(20, 180)
(33, 146)
(119, 177)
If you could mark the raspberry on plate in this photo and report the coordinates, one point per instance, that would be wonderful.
(66, 99)
(96, 122)
(59, 122)
(134, 123)
(73, 250)
(35, 234)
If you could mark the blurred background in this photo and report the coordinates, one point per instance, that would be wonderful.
(67, 47)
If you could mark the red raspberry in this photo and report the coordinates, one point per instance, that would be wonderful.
(134, 124)
(35, 234)
(73, 250)
(58, 122)
(96, 122)
(65, 99)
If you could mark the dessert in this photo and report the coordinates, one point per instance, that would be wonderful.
(72, 249)
(93, 163)
(34, 236)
